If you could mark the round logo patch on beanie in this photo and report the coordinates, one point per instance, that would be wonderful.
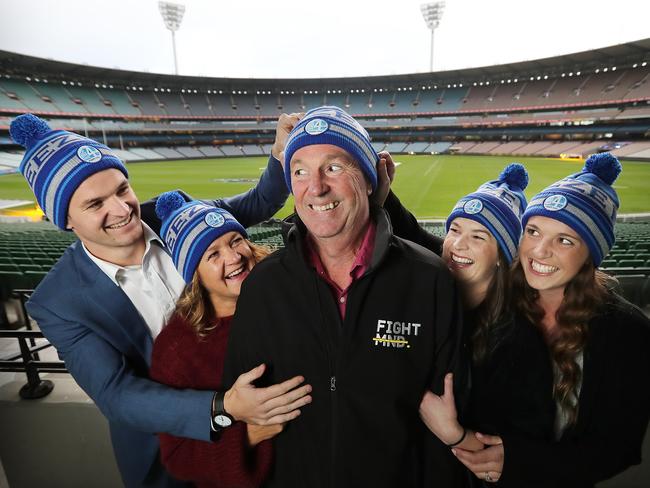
(555, 203)
(316, 126)
(473, 206)
(214, 219)
(89, 154)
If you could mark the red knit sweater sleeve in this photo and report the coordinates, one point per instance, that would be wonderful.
(182, 361)
(228, 462)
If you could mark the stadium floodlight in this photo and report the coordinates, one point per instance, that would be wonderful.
(172, 14)
(432, 14)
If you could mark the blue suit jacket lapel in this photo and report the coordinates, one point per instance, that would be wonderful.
(109, 299)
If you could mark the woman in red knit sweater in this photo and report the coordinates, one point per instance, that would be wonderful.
(209, 249)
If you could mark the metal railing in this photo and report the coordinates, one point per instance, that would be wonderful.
(28, 359)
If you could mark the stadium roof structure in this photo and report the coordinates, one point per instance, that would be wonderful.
(622, 55)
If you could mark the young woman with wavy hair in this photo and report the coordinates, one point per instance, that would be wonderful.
(598, 342)
(210, 250)
(511, 374)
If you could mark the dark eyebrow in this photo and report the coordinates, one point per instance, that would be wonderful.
(341, 157)
(569, 236)
(212, 247)
(329, 159)
(91, 201)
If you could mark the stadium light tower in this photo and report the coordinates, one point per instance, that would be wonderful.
(172, 14)
(432, 13)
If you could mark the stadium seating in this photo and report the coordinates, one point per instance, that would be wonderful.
(119, 102)
(483, 148)
(462, 147)
(10, 159)
(583, 89)
(231, 150)
(26, 96)
(168, 153)
(190, 152)
(416, 147)
(90, 99)
(147, 154)
(474, 111)
(59, 97)
(28, 251)
(198, 105)
(439, 147)
(252, 150)
(210, 151)
(146, 103)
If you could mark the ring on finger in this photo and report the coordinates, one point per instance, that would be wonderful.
(488, 477)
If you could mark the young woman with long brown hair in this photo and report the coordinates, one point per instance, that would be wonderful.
(598, 342)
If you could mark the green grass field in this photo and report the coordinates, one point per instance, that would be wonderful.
(427, 185)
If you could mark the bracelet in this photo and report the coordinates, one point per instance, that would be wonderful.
(454, 444)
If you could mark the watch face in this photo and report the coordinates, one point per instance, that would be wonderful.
(222, 420)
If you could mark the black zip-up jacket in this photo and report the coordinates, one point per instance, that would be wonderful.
(401, 333)
(613, 410)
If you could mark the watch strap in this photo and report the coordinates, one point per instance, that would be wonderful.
(219, 409)
(214, 411)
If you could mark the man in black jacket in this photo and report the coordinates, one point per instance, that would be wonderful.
(369, 319)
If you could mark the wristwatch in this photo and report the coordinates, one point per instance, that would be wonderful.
(220, 419)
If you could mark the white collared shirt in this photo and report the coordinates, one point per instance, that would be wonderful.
(153, 287)
(561, 416)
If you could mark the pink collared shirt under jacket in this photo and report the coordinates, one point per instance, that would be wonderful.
(359, 266)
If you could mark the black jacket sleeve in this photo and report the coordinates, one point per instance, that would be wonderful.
(451, 356)
(406, 226)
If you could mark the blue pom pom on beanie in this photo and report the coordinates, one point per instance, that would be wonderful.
(188, 229)
(57, 162)
(584, 201)
(498, 205)
(167, 203)
(25, 129)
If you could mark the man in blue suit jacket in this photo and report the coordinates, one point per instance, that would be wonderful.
(111, 292)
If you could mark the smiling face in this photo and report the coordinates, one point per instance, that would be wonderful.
(222, 269)
(330, 191)
(471, 253)
(551, 254)
(105, 214)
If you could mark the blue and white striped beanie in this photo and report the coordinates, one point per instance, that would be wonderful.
(188, 229)
(57, 162)
(332, 125)
(584, 201)
(498, 205)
